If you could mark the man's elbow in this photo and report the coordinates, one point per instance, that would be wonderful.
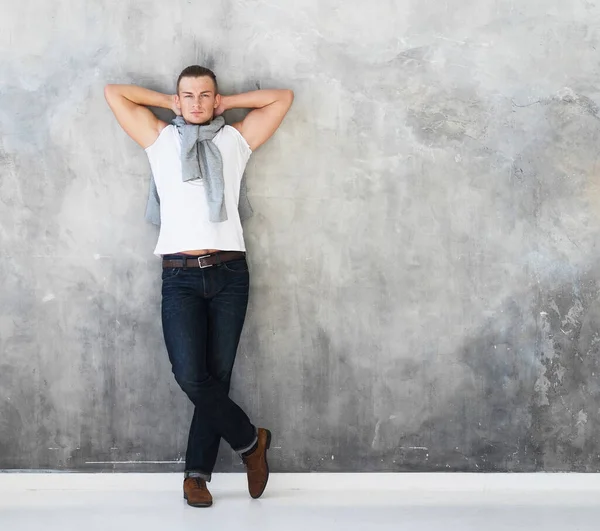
(289, 96)
(112, 93)
(109, 92)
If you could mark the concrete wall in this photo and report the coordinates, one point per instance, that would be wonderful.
(424, 254)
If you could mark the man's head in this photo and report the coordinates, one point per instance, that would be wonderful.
(197, 94)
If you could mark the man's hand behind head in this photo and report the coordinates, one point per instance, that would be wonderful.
(174, 106)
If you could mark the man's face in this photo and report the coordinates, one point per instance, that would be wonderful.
(197, 100)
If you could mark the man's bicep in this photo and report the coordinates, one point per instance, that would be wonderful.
(136, 120)
(260, 124)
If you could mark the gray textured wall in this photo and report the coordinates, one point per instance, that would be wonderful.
(426, 291)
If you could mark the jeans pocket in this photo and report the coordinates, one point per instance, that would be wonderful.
(170, 272)
(236, 266)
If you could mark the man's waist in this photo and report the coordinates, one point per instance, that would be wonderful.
(201, 261)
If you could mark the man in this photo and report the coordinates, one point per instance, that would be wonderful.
(197, 166)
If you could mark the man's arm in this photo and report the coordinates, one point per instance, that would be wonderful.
(270, 107)
(128, 103)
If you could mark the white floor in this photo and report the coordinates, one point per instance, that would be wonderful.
(307, 502)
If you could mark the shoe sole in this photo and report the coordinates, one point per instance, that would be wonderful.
(268, 445)
(205, 504)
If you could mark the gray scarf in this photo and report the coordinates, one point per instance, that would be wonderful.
(201, 160)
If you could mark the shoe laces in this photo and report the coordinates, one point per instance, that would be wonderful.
(199, 482)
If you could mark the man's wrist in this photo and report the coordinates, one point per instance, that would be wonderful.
(226, 103)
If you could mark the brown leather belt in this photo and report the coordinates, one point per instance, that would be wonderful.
(206, 260)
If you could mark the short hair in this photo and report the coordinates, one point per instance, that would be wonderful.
(197, 71)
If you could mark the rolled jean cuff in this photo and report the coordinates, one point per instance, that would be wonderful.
(249, 446)
(197, 474)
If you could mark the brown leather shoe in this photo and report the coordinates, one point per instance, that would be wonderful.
(257, 466)
(196, 493)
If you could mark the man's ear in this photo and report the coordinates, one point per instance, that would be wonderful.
(178, 102)
(217, 101)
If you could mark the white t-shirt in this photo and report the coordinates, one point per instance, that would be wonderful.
(184, 221)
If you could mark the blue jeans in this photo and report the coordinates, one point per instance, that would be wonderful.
(203, 312)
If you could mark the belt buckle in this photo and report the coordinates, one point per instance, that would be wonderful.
(200, 261)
